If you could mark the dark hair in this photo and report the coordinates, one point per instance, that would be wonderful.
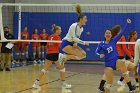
(55, 27)
(115, 30)
(6, 27)
(131, 34)
(79, 12)
(34, 30)
(43, 29)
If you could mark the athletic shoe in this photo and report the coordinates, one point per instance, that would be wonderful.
(43, 61)
(17, 64)
(24, 64)
(64, 90)
(134, 88)
(39, 61)
(7, 69)
(36, 84)
(65, 85)
(101, 90)
(120, 83)
(35, 62)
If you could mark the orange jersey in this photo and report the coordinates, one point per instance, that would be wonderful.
(43, 36)
(121, 48)
(53, 47)
(25, 34)
(131, 47)
(35, 37)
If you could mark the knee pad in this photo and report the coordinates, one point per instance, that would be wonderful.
(44, 71)
(108, 86)
(126, 63)
(62, 70)
(126, 73)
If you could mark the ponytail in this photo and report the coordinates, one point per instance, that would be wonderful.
(55, 27)
(79, 12)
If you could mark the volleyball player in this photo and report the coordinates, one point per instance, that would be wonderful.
(111, 58)
(69, 48)
(43, 36)
(122, 50)
(132, 38)
(129, 52)
(20, 49)
(52, 56)
(36, 45)
(25, 36)
(137, 59)
(18, 46)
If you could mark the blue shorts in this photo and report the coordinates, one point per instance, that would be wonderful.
(139, 69)
(111, 63)
(64, 44)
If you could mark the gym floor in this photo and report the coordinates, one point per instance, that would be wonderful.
(84, 78)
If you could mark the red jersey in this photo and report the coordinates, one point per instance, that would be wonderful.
(35, 37)
(121, 48)
(25, 34)
(44, 36)
(131, 47)
(53, 47)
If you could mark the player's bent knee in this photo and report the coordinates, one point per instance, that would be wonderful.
(125, 74)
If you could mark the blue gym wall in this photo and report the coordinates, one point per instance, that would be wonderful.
(97, 23)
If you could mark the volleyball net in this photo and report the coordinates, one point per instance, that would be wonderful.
(100, 17)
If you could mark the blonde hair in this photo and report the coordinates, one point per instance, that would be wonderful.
(55, 27)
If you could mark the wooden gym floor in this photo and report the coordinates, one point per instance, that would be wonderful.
(84, 78)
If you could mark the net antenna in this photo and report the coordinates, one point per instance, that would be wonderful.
(19, 21)
(1, 24)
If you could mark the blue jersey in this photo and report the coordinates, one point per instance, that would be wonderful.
(109, 49)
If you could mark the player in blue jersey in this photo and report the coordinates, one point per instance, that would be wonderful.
(121, 49)
(69, 48)
(111, 60)
(137, 59)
